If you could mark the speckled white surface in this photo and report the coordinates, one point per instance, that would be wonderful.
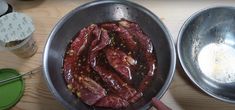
(15, 26)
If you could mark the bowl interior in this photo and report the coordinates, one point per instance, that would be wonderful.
(205, 47)
(98, 12)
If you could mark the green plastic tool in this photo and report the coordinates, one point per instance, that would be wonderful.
(10, 91)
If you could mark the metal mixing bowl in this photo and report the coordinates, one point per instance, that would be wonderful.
(104, 11)
(206, 50)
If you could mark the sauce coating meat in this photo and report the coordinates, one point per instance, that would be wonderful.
(110, 64)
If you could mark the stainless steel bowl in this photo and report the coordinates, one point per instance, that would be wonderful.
(104, 11)
(206, 50)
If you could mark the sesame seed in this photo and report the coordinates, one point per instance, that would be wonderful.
(70, 86)
(78, 94)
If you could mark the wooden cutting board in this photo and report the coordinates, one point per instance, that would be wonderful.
(182, 94)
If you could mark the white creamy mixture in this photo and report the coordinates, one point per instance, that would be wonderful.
(217, 61)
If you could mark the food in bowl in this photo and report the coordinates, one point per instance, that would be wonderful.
(109, 64)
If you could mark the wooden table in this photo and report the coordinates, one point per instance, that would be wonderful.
(182, 95)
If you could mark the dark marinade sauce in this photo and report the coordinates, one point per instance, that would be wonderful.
(81, 65)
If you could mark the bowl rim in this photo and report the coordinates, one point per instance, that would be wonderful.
(84, 6)
(180, 57)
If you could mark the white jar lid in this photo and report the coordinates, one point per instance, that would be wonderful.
(15, 27)
(3, 7)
